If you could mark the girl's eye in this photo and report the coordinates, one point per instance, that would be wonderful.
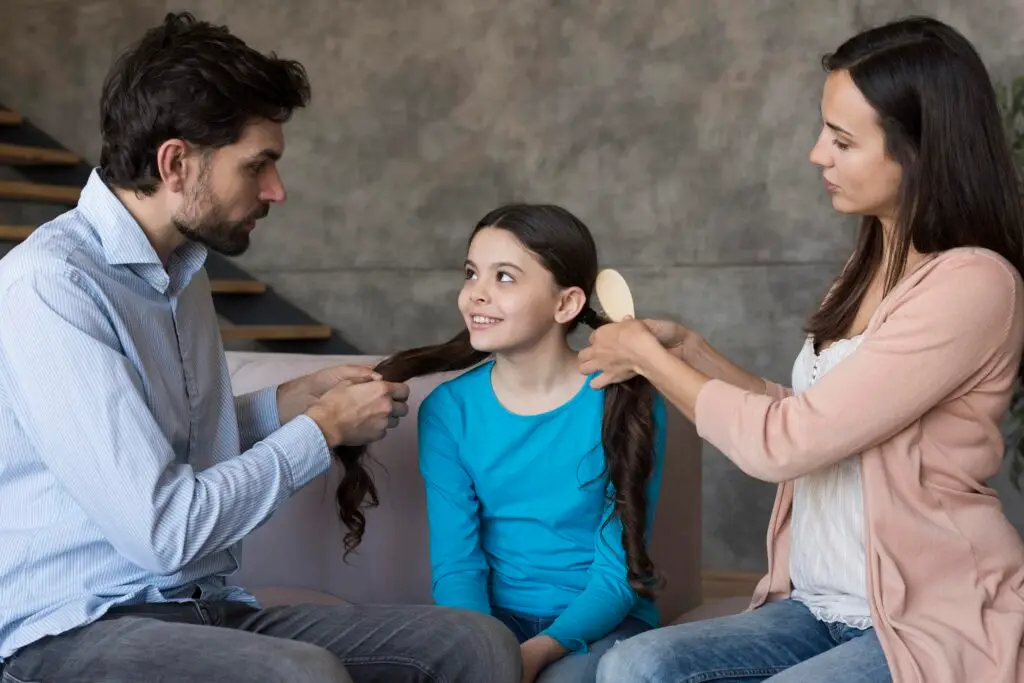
(504, 277)
(470, 274)
(841, 146)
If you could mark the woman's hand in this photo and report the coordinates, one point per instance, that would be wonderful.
(680, 341)
(618, 350)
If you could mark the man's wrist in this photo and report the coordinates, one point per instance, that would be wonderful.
(333, 434)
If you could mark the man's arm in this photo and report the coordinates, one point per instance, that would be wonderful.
(262, 412)
(81, 403)
(258, 416)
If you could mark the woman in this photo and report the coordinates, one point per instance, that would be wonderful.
(888, 557)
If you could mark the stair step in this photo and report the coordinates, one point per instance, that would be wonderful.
(237, 287)
(9, 118)
(36, 192)
(15, 233)
(274, 332)
(29, 155)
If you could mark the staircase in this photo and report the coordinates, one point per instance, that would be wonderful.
(253, 315)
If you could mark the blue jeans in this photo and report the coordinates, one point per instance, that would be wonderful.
(782, 642)
(579, 667)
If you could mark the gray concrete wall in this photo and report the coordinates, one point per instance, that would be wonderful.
(678, 130)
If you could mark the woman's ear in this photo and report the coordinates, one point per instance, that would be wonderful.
(570, 303)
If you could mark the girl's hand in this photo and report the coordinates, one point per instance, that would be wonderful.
(617, 350)
(537, 653)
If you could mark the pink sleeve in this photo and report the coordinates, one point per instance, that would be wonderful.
(942, 334)
(776, 391)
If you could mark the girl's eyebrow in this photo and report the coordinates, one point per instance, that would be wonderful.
(500, 264)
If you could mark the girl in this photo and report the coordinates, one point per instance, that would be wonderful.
(540, 489)
(888, 556)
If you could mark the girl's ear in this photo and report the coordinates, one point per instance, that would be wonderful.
(570, 302)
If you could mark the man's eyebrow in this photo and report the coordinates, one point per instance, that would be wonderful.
(267, 154)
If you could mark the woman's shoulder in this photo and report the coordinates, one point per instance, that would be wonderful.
(966, 277)
(956, 263)
(966, 288)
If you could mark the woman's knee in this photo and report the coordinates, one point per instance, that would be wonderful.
(640, 659)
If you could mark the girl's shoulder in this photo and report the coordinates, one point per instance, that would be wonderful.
(455, 391)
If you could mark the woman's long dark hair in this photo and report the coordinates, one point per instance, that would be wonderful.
(939, 114)
(564, 245)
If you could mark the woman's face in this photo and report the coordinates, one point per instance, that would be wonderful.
(861, 177)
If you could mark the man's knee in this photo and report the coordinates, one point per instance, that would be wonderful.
(488, 649)
(298, 662)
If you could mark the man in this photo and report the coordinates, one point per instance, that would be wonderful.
(129, 473)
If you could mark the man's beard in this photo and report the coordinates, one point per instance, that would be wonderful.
(203, 221)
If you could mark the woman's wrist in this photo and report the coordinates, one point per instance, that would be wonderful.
(647, 359)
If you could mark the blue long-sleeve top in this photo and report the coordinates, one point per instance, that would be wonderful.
(520, 510)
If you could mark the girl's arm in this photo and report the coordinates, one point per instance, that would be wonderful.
(608, 597)
(458, 566)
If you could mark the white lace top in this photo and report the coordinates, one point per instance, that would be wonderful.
(826, 561)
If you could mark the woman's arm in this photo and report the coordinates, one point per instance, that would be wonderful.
(937, 339)
(459, 568)
(691, 348)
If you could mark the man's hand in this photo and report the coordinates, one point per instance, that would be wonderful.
(356, 414)
(537, 653)
(295, 396)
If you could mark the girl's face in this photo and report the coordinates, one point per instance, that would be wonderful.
(510, 301)
(861, 177)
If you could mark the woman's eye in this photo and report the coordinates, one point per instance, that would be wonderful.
(504, 277)
(470, 274)
(841, 146)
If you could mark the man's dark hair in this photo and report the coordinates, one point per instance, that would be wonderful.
(192, 80)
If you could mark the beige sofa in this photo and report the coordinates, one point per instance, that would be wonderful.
(297, 554)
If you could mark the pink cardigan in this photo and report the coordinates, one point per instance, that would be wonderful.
(921, 399)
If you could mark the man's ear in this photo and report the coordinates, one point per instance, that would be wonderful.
(570, 303)
(172, 163)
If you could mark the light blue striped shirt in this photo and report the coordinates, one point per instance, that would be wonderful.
(128, 471)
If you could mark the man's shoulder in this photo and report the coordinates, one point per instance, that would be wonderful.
(58, 250)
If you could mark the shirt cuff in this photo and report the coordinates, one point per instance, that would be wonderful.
(573, 645)
(257, 415)
(303, 448)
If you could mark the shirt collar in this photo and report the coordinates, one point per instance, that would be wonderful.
(125, 243)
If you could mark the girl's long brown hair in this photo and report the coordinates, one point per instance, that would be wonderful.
(564, 245)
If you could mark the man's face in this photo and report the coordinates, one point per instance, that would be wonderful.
(234, 188)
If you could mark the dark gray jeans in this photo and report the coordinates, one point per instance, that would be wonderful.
(234, 643)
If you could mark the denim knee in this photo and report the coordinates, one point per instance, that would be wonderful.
(488, 649)
(635, 660)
